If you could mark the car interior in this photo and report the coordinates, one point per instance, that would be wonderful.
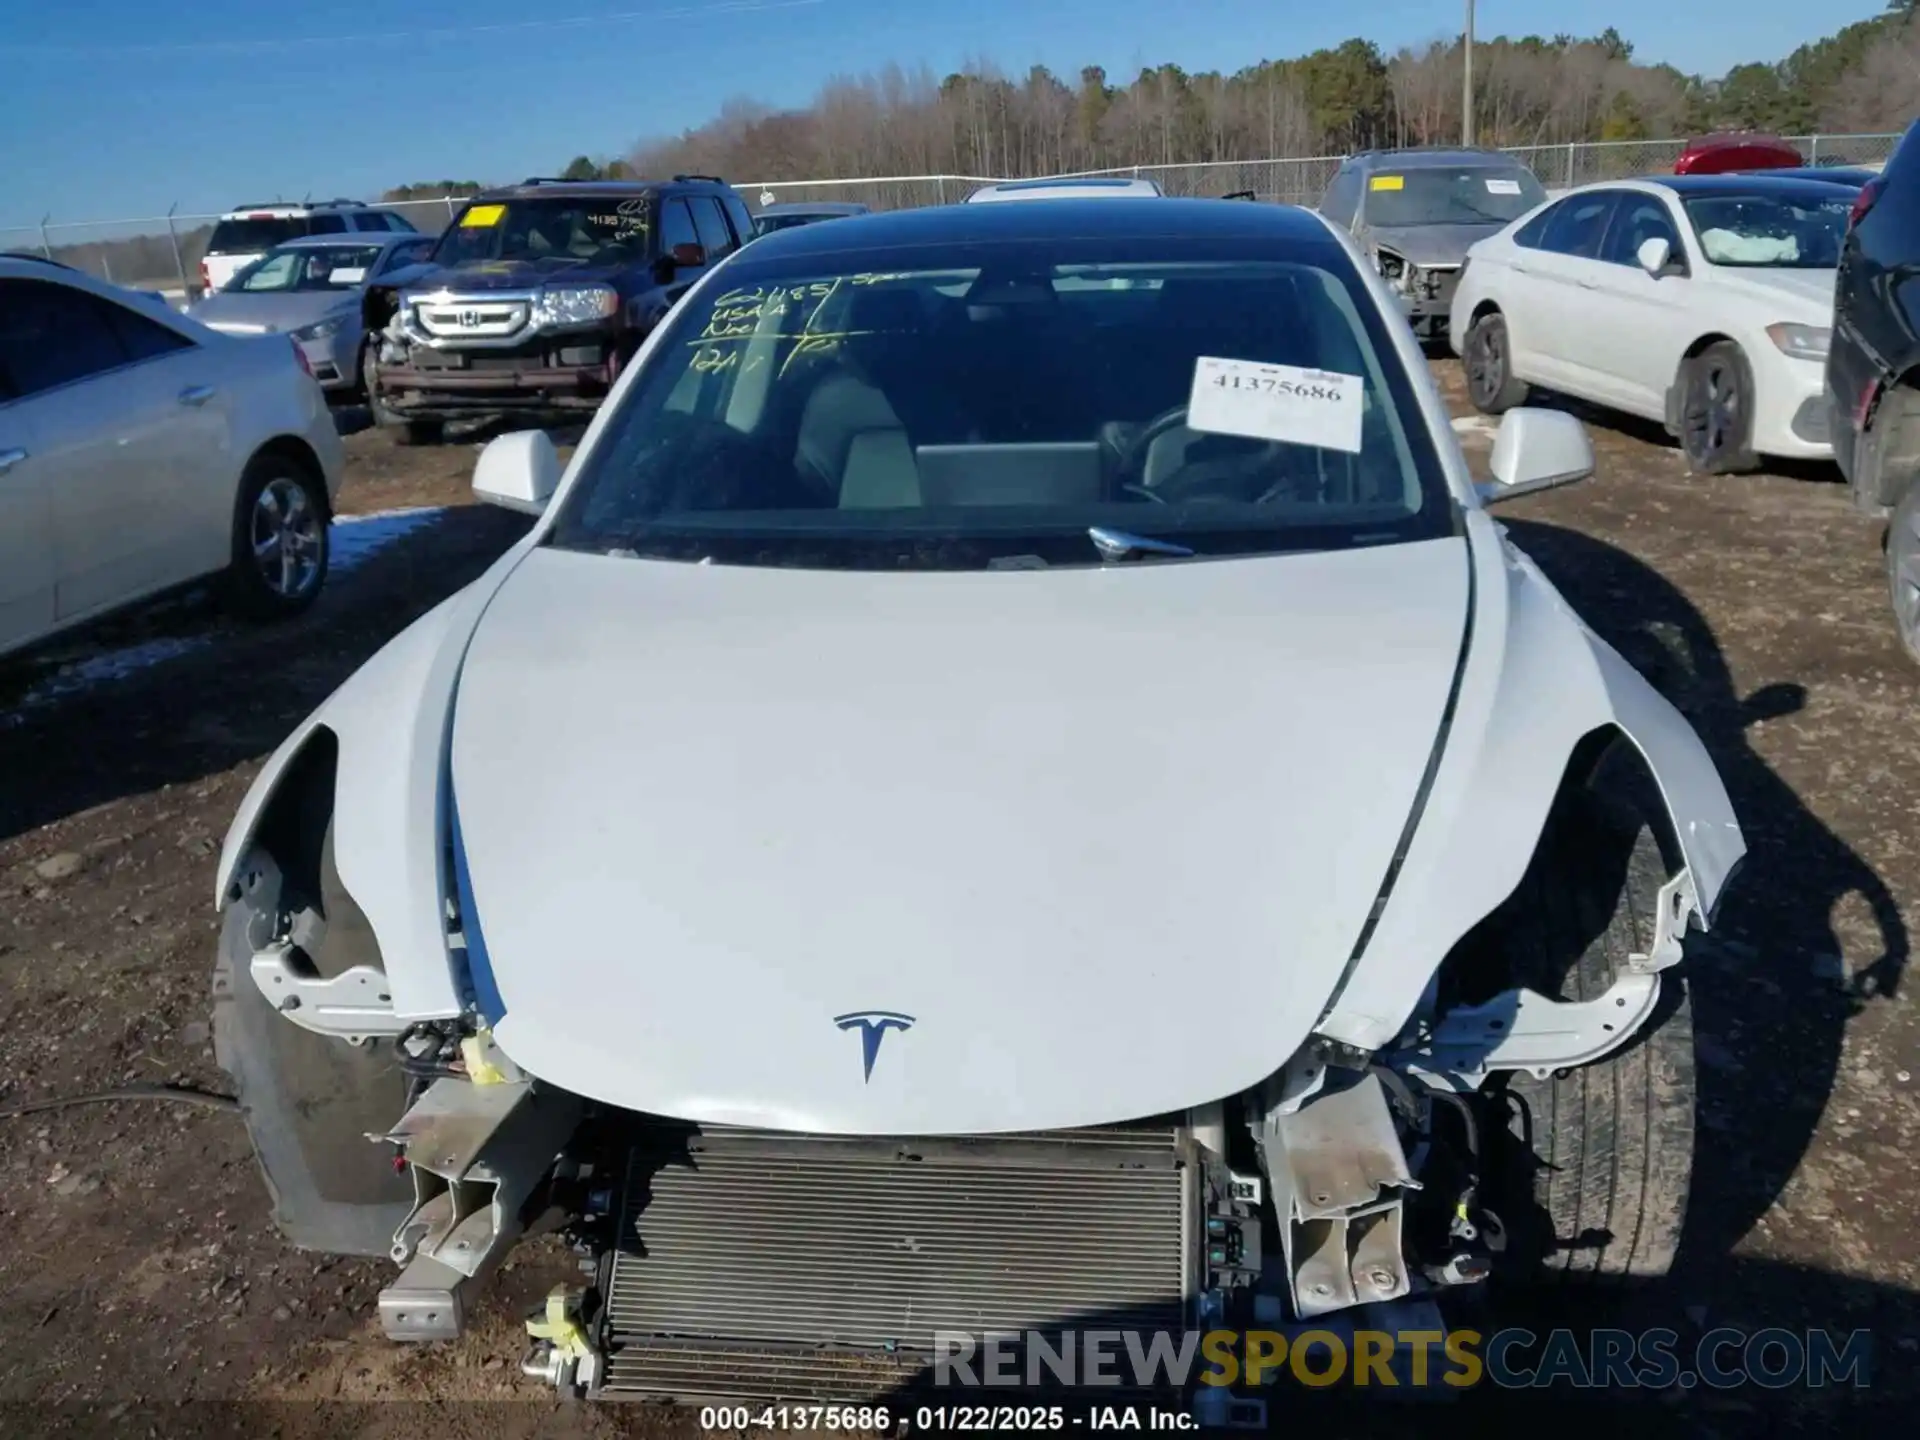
(1022, 390)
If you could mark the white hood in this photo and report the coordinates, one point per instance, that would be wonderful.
(1800, 296)
(1099, 841)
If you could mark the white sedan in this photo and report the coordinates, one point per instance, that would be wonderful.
(1701, 301)
(891, 719)
(140, 450)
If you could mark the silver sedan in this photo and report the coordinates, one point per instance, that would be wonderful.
(309, 290)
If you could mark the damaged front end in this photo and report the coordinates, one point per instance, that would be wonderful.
(796, 1241)
(451, 351)
(725, 1263)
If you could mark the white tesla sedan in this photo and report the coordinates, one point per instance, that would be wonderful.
(985, 792)
(140, 450)
(1701, 301)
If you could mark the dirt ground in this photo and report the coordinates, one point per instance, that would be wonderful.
(142, 1290)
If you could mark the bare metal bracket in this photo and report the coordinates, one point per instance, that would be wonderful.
(351, 1005)
(1525, 1030)
(1340, 1177)
(476, 1154)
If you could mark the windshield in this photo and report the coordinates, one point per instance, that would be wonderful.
(319, 267)
(244, 237)
(1469, 195)
(936, 409)
(1773, 232)
(565, 229)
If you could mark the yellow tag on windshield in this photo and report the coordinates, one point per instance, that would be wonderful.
(1388, 182)
(481, 216)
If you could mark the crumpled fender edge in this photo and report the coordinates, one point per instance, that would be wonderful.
(1537, 682)
(391, 720)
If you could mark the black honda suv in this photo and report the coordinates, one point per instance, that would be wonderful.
(1873, 369)
(540, 292)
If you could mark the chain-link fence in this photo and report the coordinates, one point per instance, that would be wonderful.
(894, 192)
(163, 252)
(1564, 166)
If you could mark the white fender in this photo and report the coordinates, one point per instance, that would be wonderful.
(1536, 682)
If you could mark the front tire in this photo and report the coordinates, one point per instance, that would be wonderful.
(1609, 1145)
(310, 1102)
(1487, 356)
(405, 431)
(280, 539)
(1716, 411)
(1903, 569)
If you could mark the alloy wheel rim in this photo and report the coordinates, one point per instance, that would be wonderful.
(1484, 364)
(1714, 413)
(287, 538)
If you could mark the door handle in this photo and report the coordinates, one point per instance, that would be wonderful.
(10, 458)
(196, 395)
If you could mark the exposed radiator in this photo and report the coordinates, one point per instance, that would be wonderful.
(761, 1266)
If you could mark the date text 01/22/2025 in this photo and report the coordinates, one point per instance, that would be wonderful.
(963, 1419)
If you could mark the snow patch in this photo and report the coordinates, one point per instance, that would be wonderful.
(355, 539)
(107, 666)
(1481, 427)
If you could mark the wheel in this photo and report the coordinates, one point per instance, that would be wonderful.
(279, 537)
(406, 432)
(1903, 569)
(1716, 411)
(1609, 1145)
(421, 432)
(309, 1100)
(1491, 384)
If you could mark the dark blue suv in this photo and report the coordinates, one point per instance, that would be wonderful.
(1873, 369)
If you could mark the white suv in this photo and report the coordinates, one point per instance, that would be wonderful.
(140, 450)
(245, 234)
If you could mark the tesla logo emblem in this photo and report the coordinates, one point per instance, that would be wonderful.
(874, 1025)
(469, 319)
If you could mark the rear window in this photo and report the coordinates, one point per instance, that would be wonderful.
(243, 237)
(941, 408)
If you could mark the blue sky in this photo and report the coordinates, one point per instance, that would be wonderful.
(121, 108)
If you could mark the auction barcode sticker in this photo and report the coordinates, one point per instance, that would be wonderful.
(1321, 408)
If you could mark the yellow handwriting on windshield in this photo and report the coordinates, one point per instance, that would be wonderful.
(750, 312)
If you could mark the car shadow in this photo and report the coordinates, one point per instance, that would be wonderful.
(1652, 432)
(1771, 994)
(176, 691)
(1523, 1381)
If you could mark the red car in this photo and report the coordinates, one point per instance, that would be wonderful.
(1743, 150)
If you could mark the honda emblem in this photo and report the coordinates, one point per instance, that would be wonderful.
(469, 319)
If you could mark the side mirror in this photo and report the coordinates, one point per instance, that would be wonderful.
(1653, 256)
(680, 257)
(1535, 450)
(518, 471)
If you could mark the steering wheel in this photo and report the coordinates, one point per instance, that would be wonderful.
(1190, 482)
(1133, 460)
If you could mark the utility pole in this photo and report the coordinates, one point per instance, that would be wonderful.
(1466, 83)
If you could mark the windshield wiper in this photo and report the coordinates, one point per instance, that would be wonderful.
(1119, 544)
